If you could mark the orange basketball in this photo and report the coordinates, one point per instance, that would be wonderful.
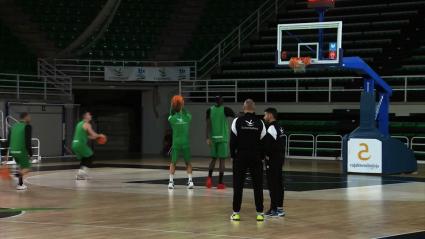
(5, 172)
(102, 139)
(177, 101)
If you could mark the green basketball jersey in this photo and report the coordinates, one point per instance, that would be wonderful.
(219, 125)
(180, 124)
(17, 139)
(79, 143)
(80, 135)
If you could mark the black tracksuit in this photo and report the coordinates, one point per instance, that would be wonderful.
(247, 151)
(274, 144)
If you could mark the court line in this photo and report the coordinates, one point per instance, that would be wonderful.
(401, 234)
(20, 214)
(128, 228)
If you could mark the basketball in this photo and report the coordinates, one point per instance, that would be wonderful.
(4, 172)
(102, 139)
(177, 102)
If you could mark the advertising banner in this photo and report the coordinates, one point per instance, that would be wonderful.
(364, 156)
(131, 73)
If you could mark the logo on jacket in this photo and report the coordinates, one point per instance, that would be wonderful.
(249, 123)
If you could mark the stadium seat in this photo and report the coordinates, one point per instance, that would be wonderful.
(14, 56)
(378, 31)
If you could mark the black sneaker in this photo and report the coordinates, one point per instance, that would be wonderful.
(280, 212)
(271, 213)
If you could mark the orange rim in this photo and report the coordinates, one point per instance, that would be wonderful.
(295, 61)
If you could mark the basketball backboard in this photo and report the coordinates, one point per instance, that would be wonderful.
(322, 41)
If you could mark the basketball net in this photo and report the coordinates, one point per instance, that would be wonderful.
(298, 64)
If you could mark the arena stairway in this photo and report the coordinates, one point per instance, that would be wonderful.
(219, 18)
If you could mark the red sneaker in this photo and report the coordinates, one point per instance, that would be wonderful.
(221, 186)
(208, 183)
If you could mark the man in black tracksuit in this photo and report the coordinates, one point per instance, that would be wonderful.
(246, 150)
(274, 144)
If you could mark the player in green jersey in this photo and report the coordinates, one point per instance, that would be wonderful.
(19, 143)
(180, 120)
(84, 132)
(218, 138)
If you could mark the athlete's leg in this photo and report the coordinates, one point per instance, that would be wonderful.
(24, 164)
(270, 185)
(213, 154)
(222, 166)
(211, 167)
(279, 187)
(209, 181)
(85, 164)
(239, 173)
(172, 168)
(223, 153)
(256, 170)
(175, 151)
(187, 160)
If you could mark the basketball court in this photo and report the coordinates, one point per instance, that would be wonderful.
(125, 199)
(353, 168)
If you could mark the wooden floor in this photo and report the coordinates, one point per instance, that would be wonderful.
(107, 206)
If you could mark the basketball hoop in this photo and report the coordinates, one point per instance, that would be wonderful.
(298, 64)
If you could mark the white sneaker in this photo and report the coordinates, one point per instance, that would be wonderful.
(81, 175)
(171, 185)
(21, 187)
(190, 185)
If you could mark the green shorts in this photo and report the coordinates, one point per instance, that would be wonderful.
(22, 159)
(82, 150)
(176, 151)
(219, 150)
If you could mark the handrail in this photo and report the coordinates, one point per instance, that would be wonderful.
(8, 124)
(402, 138)
(234, 39)
(91, 70)
(290, 140)
(205, 87)
(45, 86)
(54, 76)
(317, 142)
(421, 144)
(417, 147)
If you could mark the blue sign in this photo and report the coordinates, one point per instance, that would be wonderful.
(332, 46)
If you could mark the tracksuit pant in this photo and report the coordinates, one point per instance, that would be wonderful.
(275, 181)
(242, 165)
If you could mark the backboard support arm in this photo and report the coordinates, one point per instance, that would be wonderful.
(370, 80)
